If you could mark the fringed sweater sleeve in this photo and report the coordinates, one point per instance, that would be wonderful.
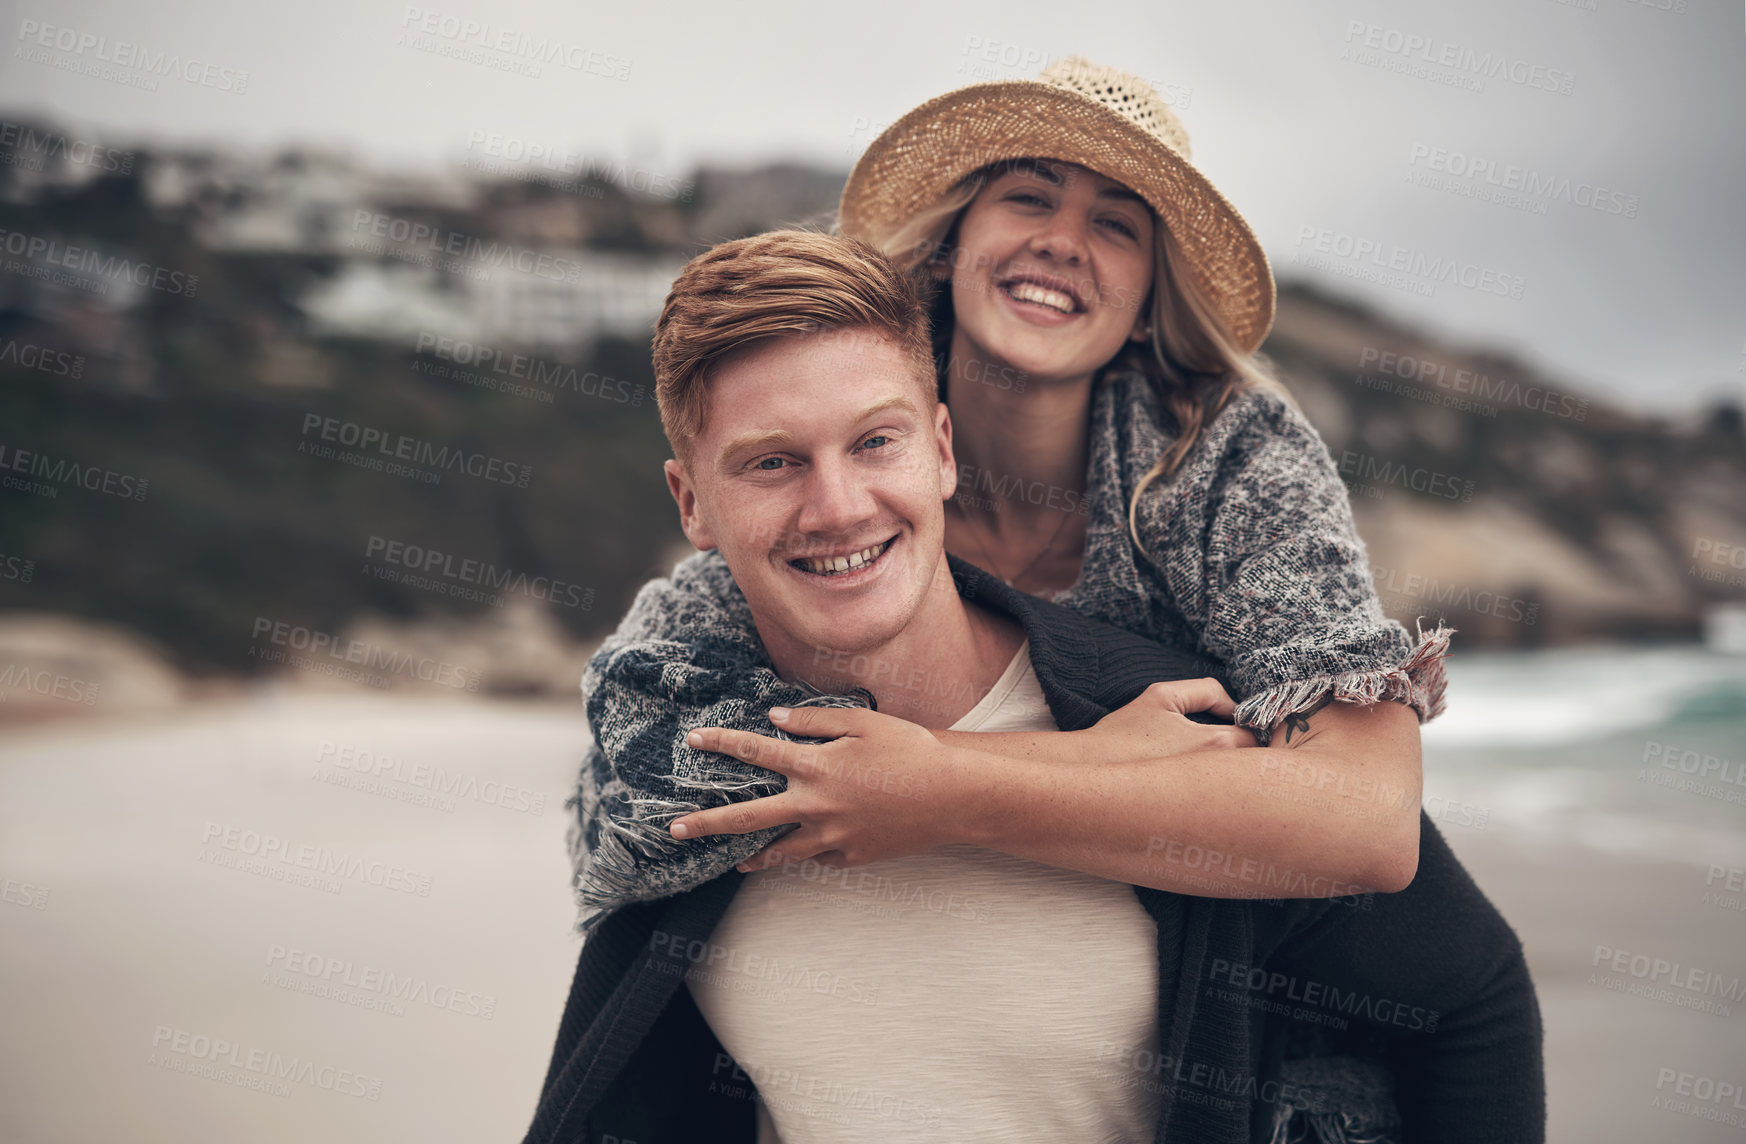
(1253, 537)
(687, 655)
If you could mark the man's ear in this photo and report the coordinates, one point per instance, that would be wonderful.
(948, 463)
(685, 496)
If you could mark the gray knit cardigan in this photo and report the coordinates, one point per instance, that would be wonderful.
(1249, 555)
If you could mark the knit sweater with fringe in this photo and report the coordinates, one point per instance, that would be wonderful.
(1248, 554)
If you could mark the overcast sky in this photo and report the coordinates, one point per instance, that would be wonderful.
(1313, 116)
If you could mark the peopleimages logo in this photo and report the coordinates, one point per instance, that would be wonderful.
(465, 247)
(1362, 467)
(94, 51)
(1427, 53)
(29, 148)
(552, 375)
(341, 974)
(318, 860)
(465, 570)
(368, 657)
(1427, 371)
(1375, 256)
(1514, 177)
(58, 363)
(585, 171)
(1382, 1010)
(60, 470)
(514, 45)
(399, 446)
(84, 260)
(18, 677)
(180, 1050)
(425, 776)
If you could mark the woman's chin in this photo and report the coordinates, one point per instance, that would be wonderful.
(1042, 357)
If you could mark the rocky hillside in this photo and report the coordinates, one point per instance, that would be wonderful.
(179, 409)
(1510, 503)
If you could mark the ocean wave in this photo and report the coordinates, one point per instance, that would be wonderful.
(1531, 699)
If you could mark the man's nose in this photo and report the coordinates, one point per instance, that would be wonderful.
(837, 499)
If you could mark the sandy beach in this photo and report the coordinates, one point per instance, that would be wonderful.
(166, 930)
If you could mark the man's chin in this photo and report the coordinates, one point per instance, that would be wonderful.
(846, 628)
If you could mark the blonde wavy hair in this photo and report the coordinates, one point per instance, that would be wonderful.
(1190, 359)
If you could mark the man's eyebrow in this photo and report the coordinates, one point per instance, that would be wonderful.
(893, 402)
(761, 438)
(757, 439)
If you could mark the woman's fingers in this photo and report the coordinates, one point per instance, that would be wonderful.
(737, 818)
(821, 722)
(1236, 737)
(747, 746)
(1188, 695)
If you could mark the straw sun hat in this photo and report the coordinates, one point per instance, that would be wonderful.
(1100, 118)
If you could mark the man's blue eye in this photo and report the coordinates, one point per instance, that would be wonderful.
(771, 463)
(873, 441)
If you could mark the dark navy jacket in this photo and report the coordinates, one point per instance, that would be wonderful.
(1433, 971)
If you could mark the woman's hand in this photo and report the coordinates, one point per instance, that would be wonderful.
(882, 788)
(1156, 724)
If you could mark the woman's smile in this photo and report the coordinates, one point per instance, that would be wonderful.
(1037, 288)
(1041, 299)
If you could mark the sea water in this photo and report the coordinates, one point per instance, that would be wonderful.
(1635, 751)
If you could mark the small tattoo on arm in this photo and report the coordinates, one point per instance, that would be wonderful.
(1299, 720)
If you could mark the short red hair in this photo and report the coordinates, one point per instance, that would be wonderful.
(781, 283)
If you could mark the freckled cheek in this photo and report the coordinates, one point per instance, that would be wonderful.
(770, 531)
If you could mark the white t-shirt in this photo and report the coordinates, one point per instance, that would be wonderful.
(962, 994)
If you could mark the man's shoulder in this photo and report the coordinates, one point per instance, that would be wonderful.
(706, 573)
(697, 605)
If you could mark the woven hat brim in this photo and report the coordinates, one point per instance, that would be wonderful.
(915, 161)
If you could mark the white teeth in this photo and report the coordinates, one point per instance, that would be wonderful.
(1031, 292)
(830, 564)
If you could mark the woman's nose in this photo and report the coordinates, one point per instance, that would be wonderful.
(1061, 236)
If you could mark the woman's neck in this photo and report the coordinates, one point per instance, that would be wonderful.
(1024, 451)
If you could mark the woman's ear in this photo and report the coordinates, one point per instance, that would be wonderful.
(685, 496)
